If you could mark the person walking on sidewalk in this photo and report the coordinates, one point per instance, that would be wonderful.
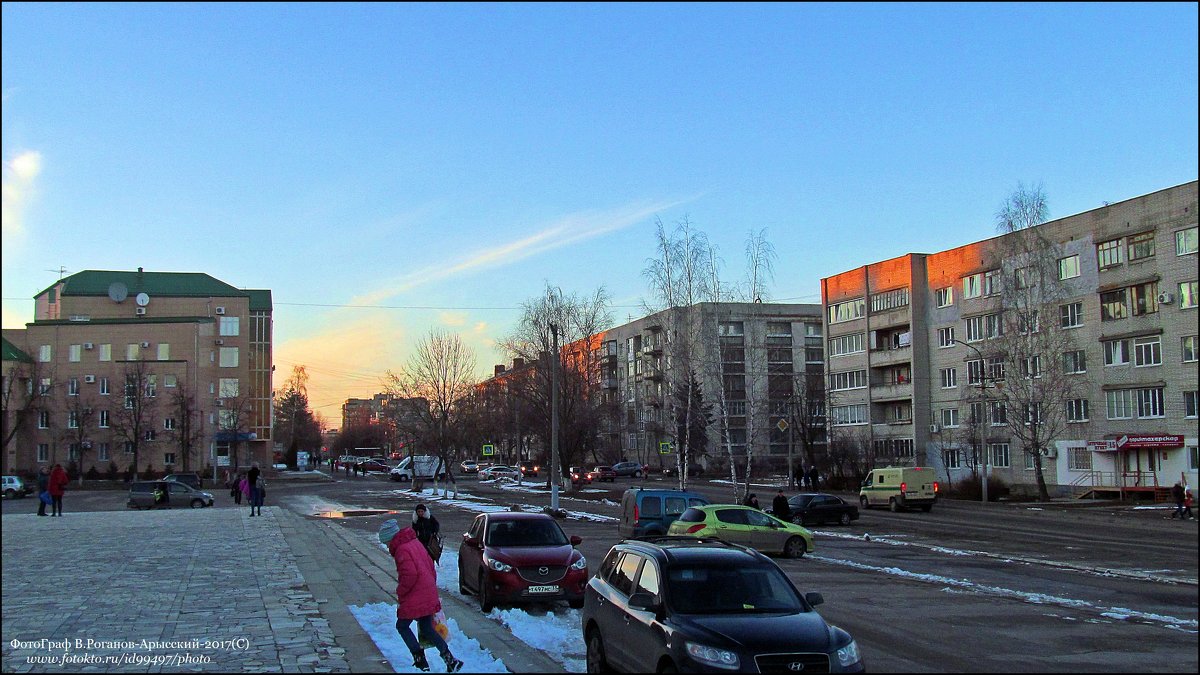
(57, 487)
(259, 495)
(780, 507)
(1187, 504)
(43, 488)
(429, 531)
(1177, 495)
(252, 483)
(416, 594)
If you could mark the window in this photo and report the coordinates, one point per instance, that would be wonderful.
(895, 447)
(229, 357)
(169, 381)
(648, 580)
(169, 423)
(1027, 321)
(228, 387)
(945, 337)
(1113, 305)
(1185, 241)
(1033, 413)
(949, 378)
(1030, 367)
(102, 452)
(128, 447)
(72, 419)
(1187, 294)
(1147, 351)
(73, 386)
(847, 311)
(779, 329)
(729, 329)
(972, 286)
(164, 351)
(74, 352)
(151, 386)
(1025, 277)
(854, 379)
(1068, 267)
(43, 419)
(1071, 315)
(1001, 458)
(622, 579)
(103, 424)
(1116, 352)
(1120, 404)
(1077, 410)
(132, 351)
(1079, 459)
(881, 302)
(975, 371)
(950, 417)
(150, 435)
(229, 326)
(1188, 349)
(845, 415)
(1193, 457)
(1189, 404)
(1108, 253)
(999, 413)
(44, 353)
(168, 459)
(43, 452)
(1150, 402)
(1075, 361)
(993, 326)
(975, 328)
(995, 368)
(944, 297)
(991, 282)
(1145, 298)
(846, 344)
(104, 386)
(106, 352)
(950, 458)
(45, 386)
(1141, 246)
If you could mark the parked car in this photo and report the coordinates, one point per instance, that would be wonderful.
(499, 471)
(744, 525)
(373, 465)
(600, 473)
(579, 476)
(141, 495)
(529, 468)
(649, 513)
(192, 480)
(469, 466)
(705, 606)
(15, 488)
(693, 470)
(900, 487)
(514, 558)
(419, 466)
(821, 508)
(634, 469)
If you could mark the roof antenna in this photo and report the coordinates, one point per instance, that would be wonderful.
(61, 271)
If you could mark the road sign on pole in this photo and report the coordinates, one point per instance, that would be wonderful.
(488, 449)
(664, 448)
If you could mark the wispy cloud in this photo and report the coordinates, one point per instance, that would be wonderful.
(570, 229)
(20, 176)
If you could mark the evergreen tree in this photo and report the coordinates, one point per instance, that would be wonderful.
(692, 417)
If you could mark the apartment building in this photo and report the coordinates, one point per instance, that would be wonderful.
(912, 362)
(196, 349)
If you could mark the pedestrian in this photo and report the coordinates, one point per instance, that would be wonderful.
(43, 478)
(751, 500)
(56, 487)
(259, 494)
(780, 507)
(162, 495)
(814, 478)
(252, 483)
(347, 468)
(416, 594)
(244, 490)
(1177, 494)
(235, 488)
(428, 531)
(1187, 504)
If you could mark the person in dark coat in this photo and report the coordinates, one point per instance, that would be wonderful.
(1177, 495)
(780, 506)
(426, 526)
(751, 500)
(43, 486)
(416, 594)
(57, 487)
(252, 483)
(814, 478)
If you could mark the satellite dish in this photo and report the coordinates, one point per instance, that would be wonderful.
(142, 299)
(117, 291)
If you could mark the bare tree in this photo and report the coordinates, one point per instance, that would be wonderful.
(760, 266)
(23, 398)
(188, 431)
(138, 413)
(807, 412)
(77, 434)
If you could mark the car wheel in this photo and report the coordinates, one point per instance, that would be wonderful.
(862, 500)
(197, 503)
(596, 663)
(10, 493)
(794, 548)
(668, 667)
(893, 505)
(845, 519)
(402, 479)
(637, 474)
(485, 601)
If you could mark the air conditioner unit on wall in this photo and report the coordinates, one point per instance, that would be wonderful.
(88, 345)
(219, 402)
(933, 428)
(1166, 298)
(140, 311)
(145, 345)
(220, 310)
(1049, 452)
(89, 378)
(219, 342)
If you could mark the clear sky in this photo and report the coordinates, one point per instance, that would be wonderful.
(443, 162)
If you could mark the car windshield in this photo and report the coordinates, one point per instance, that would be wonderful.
(751, 589)
(525, 533)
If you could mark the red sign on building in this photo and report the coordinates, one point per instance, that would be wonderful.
(1138, 441)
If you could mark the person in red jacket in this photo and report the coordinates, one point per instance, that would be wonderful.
(416, 593)
(58, 486)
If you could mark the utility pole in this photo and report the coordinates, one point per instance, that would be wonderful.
(556, 472)
(791, 402)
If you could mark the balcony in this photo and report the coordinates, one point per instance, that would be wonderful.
(890, 357)
(900, 391)
(609, 383)
(653, 349)
(655, 375)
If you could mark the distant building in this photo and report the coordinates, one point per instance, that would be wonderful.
(187, 334)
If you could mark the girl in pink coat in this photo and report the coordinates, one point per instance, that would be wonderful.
(416, 593)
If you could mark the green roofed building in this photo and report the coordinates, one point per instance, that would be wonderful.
(171, 369)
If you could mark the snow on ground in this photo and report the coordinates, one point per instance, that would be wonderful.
(470, 502)
(378, 619)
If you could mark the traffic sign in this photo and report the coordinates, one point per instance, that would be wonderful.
(783, 425)
(488, 449)
(664, 448)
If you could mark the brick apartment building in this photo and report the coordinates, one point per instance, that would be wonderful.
(199, 349)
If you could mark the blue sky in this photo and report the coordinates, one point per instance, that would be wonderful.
(458, 157)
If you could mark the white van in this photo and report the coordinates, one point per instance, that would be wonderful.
(418, 466)
(900, 487)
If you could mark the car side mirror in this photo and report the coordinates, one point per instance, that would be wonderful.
(469, 540)
(643, 601)
(814, 599)
(576, 540)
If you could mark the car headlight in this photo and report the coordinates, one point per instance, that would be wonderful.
(499, 566)
(719, 658)
(848, 655)
(580, 564)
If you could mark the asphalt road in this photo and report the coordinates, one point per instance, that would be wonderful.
(965, 588)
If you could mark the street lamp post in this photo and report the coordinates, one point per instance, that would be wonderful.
(984, 378)
(791, 402)
(555, 471)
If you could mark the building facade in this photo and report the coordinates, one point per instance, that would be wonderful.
(180, 361)
(916, 373)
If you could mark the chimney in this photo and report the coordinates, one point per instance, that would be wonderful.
(517, 363)
(499, 370)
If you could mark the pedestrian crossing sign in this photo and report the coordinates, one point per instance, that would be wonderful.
(489, 450)
(664, 448)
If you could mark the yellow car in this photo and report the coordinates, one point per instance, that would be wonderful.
(746, 526)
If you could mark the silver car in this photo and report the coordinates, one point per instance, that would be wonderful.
(493, 472)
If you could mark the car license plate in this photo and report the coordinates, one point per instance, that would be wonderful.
(543, 589)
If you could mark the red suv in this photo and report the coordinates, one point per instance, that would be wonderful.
(511, 558)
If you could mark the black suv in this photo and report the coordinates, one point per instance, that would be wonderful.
(681, 604)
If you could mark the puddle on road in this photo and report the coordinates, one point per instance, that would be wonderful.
(351, 514)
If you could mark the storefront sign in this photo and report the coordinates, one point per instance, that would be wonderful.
(1139, 441)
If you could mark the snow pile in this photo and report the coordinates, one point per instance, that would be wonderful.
(379, 621)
